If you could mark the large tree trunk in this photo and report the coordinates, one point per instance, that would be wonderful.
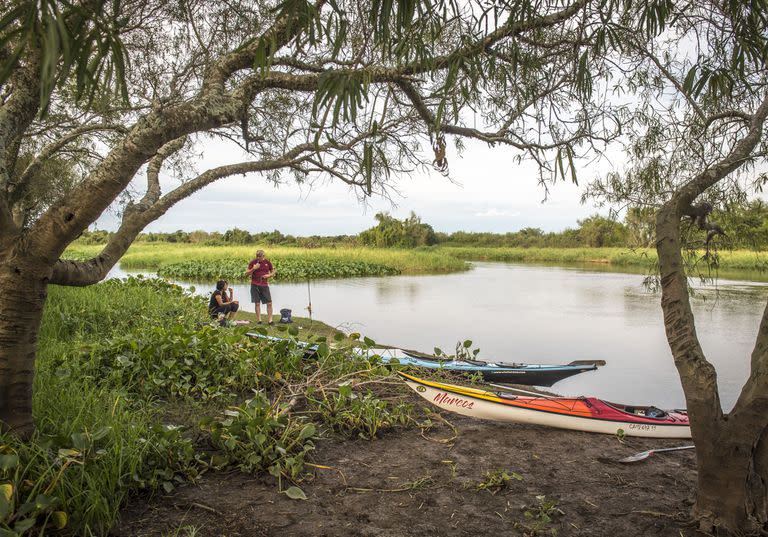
(732, 455)
(731, 491)
(23, 291)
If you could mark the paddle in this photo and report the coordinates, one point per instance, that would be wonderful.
(645, 454)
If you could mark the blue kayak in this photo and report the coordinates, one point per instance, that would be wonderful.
(529, 374)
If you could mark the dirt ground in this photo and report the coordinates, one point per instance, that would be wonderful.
(410, 483)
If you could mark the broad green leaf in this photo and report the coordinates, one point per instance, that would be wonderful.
(308, 431)
(295, 493)
(7, 462)
(6, 493)
(43, 502)
(60, 519)
(23, 525)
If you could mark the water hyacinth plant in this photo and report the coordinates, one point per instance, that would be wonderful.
(120, 361)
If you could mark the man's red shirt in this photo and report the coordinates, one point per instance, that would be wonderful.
(257, 276)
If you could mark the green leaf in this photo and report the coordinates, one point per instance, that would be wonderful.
(60, 519)
(308, 431)
(43, 502)
(689, 80)
(8, 462)
(6, 493)
(23, 525)
(295, 493)
(80, 441)
(368, 341)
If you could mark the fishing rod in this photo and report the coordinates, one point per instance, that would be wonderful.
(309, 297)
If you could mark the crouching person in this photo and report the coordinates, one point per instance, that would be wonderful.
(223, 304)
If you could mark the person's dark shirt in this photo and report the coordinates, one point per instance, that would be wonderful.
(213, 303)
(257, 276)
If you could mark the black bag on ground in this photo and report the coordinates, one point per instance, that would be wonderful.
(285, 316)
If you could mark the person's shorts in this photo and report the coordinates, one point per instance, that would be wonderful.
(260, 293)
(225, 309)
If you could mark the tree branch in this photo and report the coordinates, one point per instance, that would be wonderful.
(501, 136)
(725, 115)
(82, 273)
(153, 171)
(18, 186)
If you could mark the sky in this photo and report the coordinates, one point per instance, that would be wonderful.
(487, 191)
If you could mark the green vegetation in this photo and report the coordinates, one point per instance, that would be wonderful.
(289, 269)
(134, 388)
(746, 225)
(391, 232)
(539, 517)
(496, 480)
(208, 263)
(411, 247)
(185, 261)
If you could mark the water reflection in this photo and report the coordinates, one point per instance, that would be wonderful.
(543, 314)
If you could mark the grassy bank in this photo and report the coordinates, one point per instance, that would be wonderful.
(185, 261)
(136, 392)
(618, 257)
(207, 263)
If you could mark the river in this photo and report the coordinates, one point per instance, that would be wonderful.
(542, 314)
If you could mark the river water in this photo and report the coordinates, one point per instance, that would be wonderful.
(536, 314)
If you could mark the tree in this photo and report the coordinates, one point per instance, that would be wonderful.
(598, 231)
(391, 232)
(237, 236)
(349, 91)
(747, 223)
(330, 90)
(697, 140)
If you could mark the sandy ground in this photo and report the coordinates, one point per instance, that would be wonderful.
(425, 483)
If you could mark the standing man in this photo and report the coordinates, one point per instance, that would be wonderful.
(260, 270)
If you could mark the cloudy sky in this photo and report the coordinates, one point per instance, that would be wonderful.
(487, 191)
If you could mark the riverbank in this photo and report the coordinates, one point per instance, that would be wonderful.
(191, 262)
(153, 422)
(455, 476)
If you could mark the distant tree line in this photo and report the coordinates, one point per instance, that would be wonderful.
(746, 226)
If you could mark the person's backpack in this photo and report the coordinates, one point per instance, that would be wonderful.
(285, 316)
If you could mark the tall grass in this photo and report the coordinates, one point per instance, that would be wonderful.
(94, 445)
(612, 256)
(154, 256)
(725, 261)
(437, 259)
